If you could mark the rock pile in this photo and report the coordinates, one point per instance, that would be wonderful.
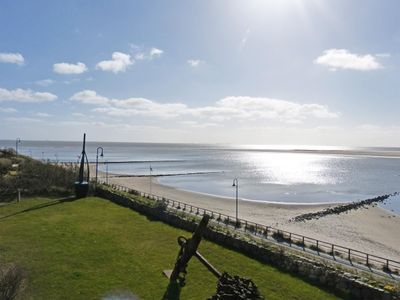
(341, 208)
(236, 288)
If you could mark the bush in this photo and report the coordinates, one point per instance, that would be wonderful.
(34, 177)
(5, 166)
(11, 282)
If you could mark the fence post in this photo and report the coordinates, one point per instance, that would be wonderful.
(333, 251)
(367, 259)
(19, 195)
(304, 244)
(349, 254)
(317, 246)
(256, 229)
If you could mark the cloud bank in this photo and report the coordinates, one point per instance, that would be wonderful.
(20, 95)
(226, 109)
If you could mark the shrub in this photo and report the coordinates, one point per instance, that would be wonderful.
(34, 177)
(300, 243)
(5, 165)
(11, 281)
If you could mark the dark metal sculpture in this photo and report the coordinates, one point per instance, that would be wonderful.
(188, 250)
(82, 185)
(228, 287)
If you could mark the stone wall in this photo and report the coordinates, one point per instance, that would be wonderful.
(316, 272)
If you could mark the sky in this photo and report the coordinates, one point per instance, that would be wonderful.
(297, 72)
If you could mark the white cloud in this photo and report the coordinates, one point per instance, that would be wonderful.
(12, 58)
(7, 110)
(155, 53)
(20, 95)
(250, 108)
(226, 109)
(194, 62)
(343, 59)
(66, 68)
(151, 54)
(119, 63)
(45, 82)
(89, 97)
(140, 56)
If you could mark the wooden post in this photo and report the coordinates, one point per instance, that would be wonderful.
(18, 195)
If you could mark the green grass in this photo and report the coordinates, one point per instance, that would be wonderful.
(88, 248)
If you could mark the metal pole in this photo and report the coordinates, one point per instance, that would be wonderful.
(97, 163)
(106, 172)
(97, 160)
(237, 201)
(150, 179)
(17, 141)
(236, 184)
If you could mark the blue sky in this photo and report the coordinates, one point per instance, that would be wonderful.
(250, 72)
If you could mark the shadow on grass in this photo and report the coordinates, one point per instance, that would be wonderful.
(43, 205)
(173, 291)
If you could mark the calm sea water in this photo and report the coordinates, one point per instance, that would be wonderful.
(264, 175)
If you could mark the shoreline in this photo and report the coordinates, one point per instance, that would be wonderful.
(369, 229)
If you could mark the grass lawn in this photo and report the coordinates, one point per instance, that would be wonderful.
(90, 248)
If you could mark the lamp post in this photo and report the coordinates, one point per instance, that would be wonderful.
(97, 159)
(236, 184)
(17, 141)
(151, 169)
(106, 172)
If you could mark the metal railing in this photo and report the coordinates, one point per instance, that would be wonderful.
(305, 243)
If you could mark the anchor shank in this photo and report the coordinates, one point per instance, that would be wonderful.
(206, 263)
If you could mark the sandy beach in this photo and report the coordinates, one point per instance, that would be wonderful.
(372, 229)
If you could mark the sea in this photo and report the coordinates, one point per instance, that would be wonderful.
(272, 173)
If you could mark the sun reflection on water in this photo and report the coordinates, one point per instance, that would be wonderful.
(290, 168)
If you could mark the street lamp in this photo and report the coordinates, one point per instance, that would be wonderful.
(236, 184)
(106, 172)
(97, 159)
(151, 169)
(17, 141)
